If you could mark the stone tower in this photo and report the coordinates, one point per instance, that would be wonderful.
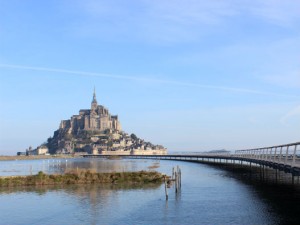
(94, 102)
(97, 118)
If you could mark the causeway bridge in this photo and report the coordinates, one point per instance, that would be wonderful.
(281, 157)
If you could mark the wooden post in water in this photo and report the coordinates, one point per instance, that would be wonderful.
(176, 182)
(179, 178)
(173, 170)
(166, 190)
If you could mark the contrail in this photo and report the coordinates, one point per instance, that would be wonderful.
(186, 84)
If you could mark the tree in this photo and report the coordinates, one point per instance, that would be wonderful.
(110, 143)
(133, 136)
(49, 139)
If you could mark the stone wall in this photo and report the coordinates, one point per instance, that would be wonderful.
(149, 152)
(135, 152)
(119, 152)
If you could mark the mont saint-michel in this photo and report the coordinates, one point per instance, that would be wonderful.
(95, 131)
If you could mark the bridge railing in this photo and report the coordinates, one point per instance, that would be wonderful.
(203, 154)
(288, 154)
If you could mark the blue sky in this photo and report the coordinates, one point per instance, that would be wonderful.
(192, 75)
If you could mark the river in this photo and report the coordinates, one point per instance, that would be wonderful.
(209, 195)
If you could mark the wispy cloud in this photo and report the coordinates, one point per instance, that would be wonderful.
(289, 80)
(144, 79)
(177, 20)
(283, 13)
(291, 114)
(196, 11)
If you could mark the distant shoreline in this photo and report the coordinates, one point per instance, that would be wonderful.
(35, 157)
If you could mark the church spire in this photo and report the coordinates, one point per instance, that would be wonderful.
(94, 104)
(94, 96)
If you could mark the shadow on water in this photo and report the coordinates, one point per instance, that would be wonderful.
(279, 190)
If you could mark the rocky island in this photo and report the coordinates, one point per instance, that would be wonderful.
(95, 131)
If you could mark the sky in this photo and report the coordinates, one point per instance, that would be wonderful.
(192, 75)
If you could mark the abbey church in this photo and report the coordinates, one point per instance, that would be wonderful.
(96, 131)
(97, 118)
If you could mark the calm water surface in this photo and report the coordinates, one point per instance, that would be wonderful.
(209, 195)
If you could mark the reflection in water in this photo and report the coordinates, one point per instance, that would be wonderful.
(93, 202)
(51, 166)
(209, 195)
(77, 189)
(279, 190)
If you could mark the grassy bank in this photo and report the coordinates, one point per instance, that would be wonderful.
(83, 177)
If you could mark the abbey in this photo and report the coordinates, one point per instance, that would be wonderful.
(97, 118)
(96, 131)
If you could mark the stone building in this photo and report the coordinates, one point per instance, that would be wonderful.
(41, 150)
(97, 118)
(96, 131)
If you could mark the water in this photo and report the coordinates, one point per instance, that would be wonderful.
(51, 166)
(209, 195)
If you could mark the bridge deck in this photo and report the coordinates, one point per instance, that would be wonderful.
(283, 157)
